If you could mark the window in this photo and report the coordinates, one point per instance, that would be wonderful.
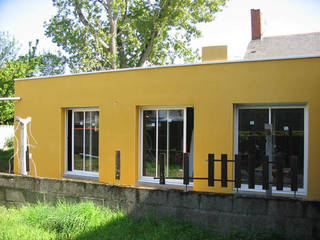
(278, 132)
(83, 141)
(166, 133)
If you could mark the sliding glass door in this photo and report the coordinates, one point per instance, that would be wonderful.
(164, 135)
(276, 132)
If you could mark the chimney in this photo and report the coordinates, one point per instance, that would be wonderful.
(255, 24)
(214, 53)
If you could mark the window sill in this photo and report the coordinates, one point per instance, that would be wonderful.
(81, 177)
(284, 193)
(180, 186)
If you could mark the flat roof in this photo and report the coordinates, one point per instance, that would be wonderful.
(171, 66)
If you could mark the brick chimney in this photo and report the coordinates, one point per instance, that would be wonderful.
(255, 24)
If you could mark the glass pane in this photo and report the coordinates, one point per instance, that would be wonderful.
(163, 139)
(252, 140)
(78, 125)
(288, 141)
(176, 137)
(149, 143)
(92, 141)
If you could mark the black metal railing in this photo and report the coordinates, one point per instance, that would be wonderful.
(237, 180)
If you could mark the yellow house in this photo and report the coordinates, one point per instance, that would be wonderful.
(251, 108)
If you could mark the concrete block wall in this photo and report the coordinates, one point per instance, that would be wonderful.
(294, 217)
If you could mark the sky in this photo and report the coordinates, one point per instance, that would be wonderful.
(24, 20)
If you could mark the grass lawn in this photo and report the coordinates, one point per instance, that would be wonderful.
(87, 221)
(5, 155)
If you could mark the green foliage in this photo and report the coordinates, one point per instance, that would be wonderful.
(9, 142)
(12, 70)
(103, 34)
(8, 48)
(5, 156)
(51, 64)
(87, 221)
(13, 67)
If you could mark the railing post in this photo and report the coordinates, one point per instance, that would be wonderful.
(279, 174)
(237, 163)
(210, 170)
(294, 173)
(162, 176)
(251, 175)
(186, 169)
(265, 173)
(224, 170)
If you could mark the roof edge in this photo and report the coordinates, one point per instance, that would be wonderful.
(171, 66)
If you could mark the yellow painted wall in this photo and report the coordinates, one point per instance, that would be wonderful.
(213, 90)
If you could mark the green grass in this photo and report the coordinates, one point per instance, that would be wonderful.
(87, 221)
(5, 155)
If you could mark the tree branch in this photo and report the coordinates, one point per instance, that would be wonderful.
(147, 50)
(149, 45)
(113, 18)
(122, 55)
(86, 23)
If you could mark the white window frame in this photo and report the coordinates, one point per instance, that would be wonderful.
(74, 172)
(148, 179)
(258, 188)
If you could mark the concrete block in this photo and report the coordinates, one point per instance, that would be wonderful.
(33, 197)
(190, 200)
(141, 211)
(174, 198)
(98, 191)
(71, 188)
(142, 195)
(2, 204)
(115, 205)
(24, 182)
(117, 193)
(154, 197)
(316, 229)
(130, 195)
(14, 195)
(285, 208)
(49, 186)
(217, 202)
(7, 181)
(252, 206)
(71, 199)
(313, 210)
(2, 197)
(53, 198)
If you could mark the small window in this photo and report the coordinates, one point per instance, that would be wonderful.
(83, 141)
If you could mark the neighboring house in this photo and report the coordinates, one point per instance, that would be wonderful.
(306, 44)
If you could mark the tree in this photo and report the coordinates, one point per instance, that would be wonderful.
(8, 48)
(45, 64)
(52, 64)
(29, 65)
(104, 34)
(12, 70)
